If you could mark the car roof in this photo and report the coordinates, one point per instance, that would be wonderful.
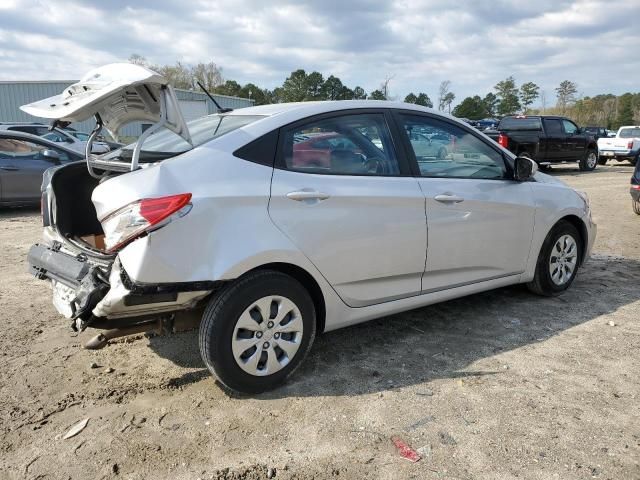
(280, 114)
(311, 108)
(37, 139)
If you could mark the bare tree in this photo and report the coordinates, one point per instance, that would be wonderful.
(208, 74)
(384, 86)
(443, 91)
(138, 60)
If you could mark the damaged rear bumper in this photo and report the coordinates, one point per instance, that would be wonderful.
(88, 290)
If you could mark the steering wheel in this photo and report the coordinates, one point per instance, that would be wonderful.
(378, 165)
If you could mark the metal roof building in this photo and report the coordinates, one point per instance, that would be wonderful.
(15, 93)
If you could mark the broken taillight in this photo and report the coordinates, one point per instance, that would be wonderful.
(503, 140)
(139, 217)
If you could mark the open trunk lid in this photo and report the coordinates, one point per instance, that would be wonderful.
(118, 94)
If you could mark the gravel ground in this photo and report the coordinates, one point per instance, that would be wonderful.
(498, 385)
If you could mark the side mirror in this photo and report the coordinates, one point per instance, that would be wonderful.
(51, 155)
(524, 169)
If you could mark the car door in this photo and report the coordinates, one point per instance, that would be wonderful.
(22, 164)
(556, 147)
(574, 140)
(359, 217)
(479, 220)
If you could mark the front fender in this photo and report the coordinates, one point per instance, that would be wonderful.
(554, 202)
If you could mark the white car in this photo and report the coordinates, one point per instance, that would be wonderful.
(624, 146)
(226, 219)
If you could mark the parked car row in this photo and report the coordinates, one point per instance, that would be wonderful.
(69, 138)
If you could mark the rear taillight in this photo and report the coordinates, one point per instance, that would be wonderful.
(630, 144)
(503, 140)
(635, 187)
(137, 218)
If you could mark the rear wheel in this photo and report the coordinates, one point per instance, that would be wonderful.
(257, 331)
(636, 206)
(558, 261)
(602, 160)
(634, 160)
(589, 161)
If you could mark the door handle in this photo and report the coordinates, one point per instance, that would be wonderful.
(301, 195)
(9, 168)
(448, 198)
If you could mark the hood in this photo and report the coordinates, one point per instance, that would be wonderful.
(120, 93)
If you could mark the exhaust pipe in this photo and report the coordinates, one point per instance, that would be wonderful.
(102, 339)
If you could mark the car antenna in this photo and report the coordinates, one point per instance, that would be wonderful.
(220, 109)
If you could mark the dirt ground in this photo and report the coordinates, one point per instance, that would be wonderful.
(500, 385)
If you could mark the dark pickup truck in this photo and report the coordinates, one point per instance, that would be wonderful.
(547, 140)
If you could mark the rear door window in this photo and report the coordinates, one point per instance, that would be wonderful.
(354, 144)
(553, 126)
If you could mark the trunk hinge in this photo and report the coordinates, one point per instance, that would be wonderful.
(89, 146)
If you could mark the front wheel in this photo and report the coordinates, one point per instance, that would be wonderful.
(558, 261)
(590, 160)
(257, 331)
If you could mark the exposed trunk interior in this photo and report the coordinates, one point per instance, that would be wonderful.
(76, 216)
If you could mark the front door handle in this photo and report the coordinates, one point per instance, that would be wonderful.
(301, 195)
(448, 198)
(9, 168)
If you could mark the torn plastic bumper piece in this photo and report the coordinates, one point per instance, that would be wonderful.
(86, 292)
(78, 278)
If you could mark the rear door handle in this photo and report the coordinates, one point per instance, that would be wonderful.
(448, 198)
(9, 168)
(301, 195)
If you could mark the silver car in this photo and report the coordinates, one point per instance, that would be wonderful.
(227, 219)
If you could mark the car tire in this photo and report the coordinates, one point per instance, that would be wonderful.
(241, 358)
(636, 206)
(558, 261)
(634, 160)
(590, 160)
(602, 160)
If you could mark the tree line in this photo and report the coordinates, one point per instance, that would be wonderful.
(507, 98)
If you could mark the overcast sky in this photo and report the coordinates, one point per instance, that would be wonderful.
(473, 43)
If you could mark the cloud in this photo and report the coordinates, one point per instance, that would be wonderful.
(420, 42)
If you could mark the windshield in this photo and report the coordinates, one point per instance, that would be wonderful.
(629, 133)
(202, 130)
